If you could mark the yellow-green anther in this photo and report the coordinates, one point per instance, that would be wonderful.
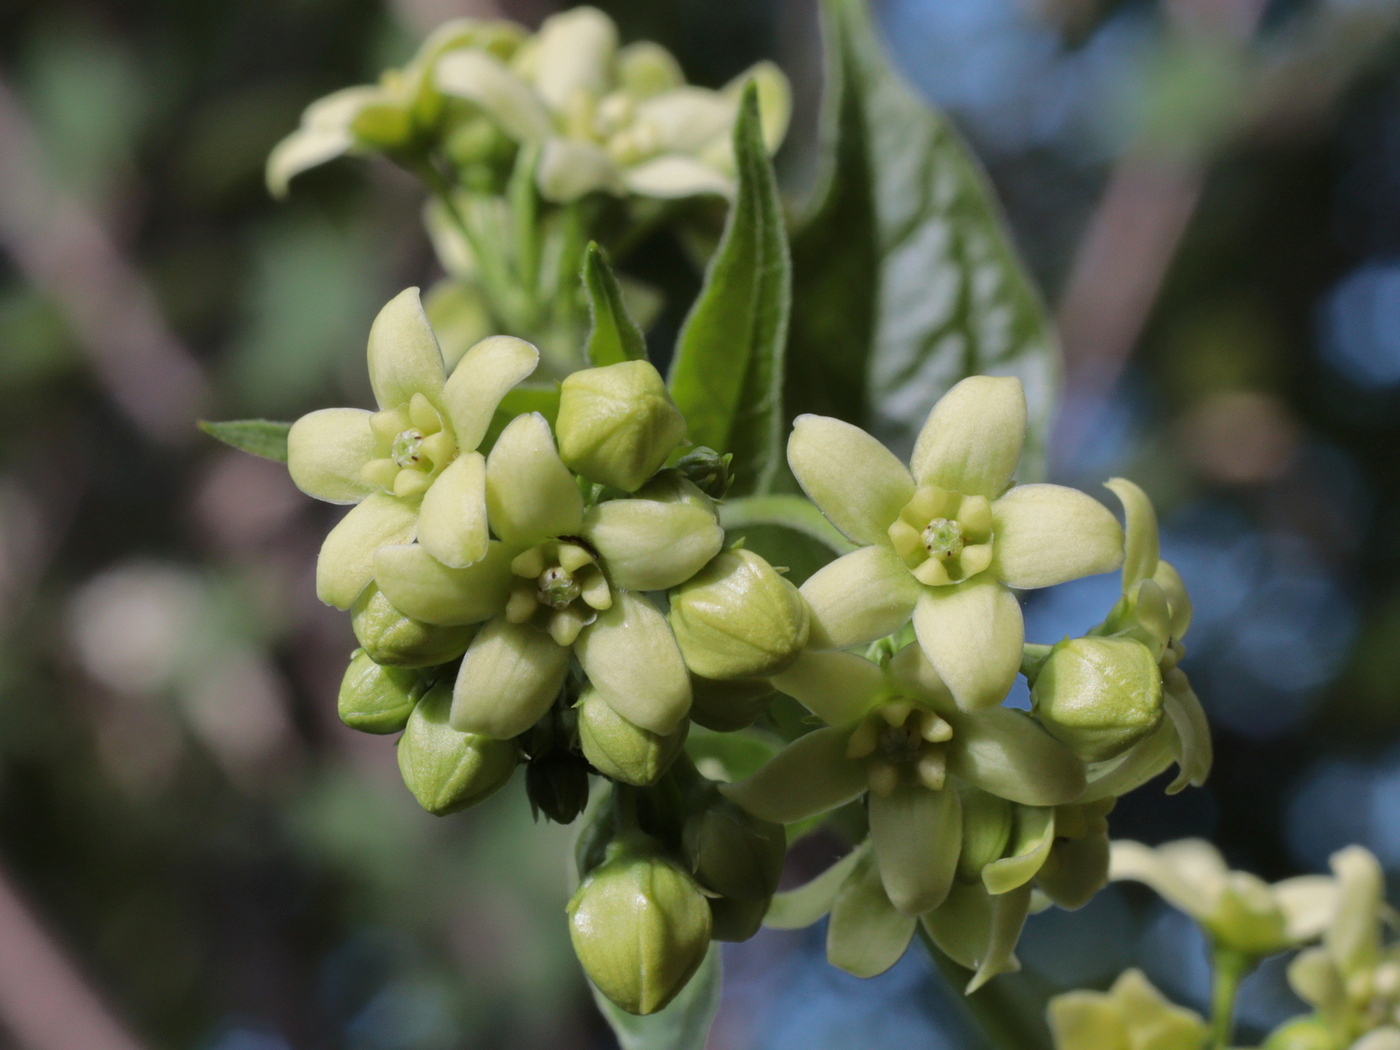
(621, 750)
(389, 637)
(1099, 696)
(448, 770)
(374, 698)
(640, 926)
(738, 618)
(617, 424)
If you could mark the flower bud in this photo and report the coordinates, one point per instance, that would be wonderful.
(738, 618)
(986, 829)
(378, 699)
(621, 750)
(640, 926)
(728, 706)
(386, 126)
(1099, 696)
(733, 853)
(557, 786)
(617, 424)
(645, 69)
(1303, 1033)
(732, 920)
(448, 770)
(707, 470)
(389, 637)
(1075, 870)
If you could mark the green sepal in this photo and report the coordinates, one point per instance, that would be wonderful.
(262, 437)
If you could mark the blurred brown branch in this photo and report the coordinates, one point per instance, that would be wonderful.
(62, 249)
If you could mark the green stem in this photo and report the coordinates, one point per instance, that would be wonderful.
(1230, 968)
(1001, 1019)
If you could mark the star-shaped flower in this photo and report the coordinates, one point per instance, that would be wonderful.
(412, 466)
(945, 540)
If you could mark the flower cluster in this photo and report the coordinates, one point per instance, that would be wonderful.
(621, 120)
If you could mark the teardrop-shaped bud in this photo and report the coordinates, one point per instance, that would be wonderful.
(640, 926)
(617, 424)
(557, 786)
(378, 699)
(389, 637)
(986, 829)
(448, 770)
(621, 750)
(736, 921)
(739, 618)
(729, 706)
(1099, 696)
(733, 853)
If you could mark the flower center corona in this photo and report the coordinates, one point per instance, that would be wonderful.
(413, 448)
(943, 538)
(560, 588)
(407, 449)
(905, 744)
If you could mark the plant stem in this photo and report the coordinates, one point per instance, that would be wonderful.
(1230, 968)
(1000, 1018)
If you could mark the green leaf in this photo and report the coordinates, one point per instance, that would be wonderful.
(905, 279)
(682, 1025)
(261, 437)
(790, 512)
(727, 374)
(615, 336)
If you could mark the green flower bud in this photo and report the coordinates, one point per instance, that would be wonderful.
(445, 769)
(389, 637)
(732, 920)
(727, 707)
(1303, 1033)
(707, 470)
(738, 618)
(733, 853)
(640, 926)
(617, 424)
(557, 786)
(621, 750)
(986, 829)
(1075, 870)
(386, 126)
(378, 699)
(1099, 696)
(645, 69)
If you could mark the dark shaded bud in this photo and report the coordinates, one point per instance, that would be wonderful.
(389, 637)
(448, 770)
(378, 699)
(621, 750)
(707, 470)
(733, 853)
(736, 921)
(557, 785)
(728, 706)
(640, 926)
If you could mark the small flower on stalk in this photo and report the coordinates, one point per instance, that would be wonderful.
(945, 543)
(411, 467)
(1132, 1015)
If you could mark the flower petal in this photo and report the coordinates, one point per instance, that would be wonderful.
(1047, 534)
(1309, 904)
(1085, 1020)
(509, 677)
(650, 545)
(530, 494)
(631, 657)
(1143, 761)
(1188, 874)
(1167, 578)
(674, 177)
(859, 597)
(961, 924)
(503, 95)
(798, 908)
(972, 439)
(452, 519)
(866, 935)
(1033, 836)
(853, 479)
(326, 451)
(1353, 936)
(324, 134)
(572, 168)
(576, 52)
(1194, 752)
(1004, 752)
(972, 633)
(404, 358)
(917, 834)
(1142, 550)
(838, 688)
(809, 776)
(346, 563)
(480, 380)
(1009, 911)
(420, 586)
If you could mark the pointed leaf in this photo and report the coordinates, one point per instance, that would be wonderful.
(615, 336)
(261, 437)
(727, 374)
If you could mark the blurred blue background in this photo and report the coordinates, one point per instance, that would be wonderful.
(196, 854)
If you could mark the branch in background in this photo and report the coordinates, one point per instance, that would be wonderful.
(61, 248)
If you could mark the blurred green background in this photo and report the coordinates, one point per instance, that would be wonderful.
(194, 853)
